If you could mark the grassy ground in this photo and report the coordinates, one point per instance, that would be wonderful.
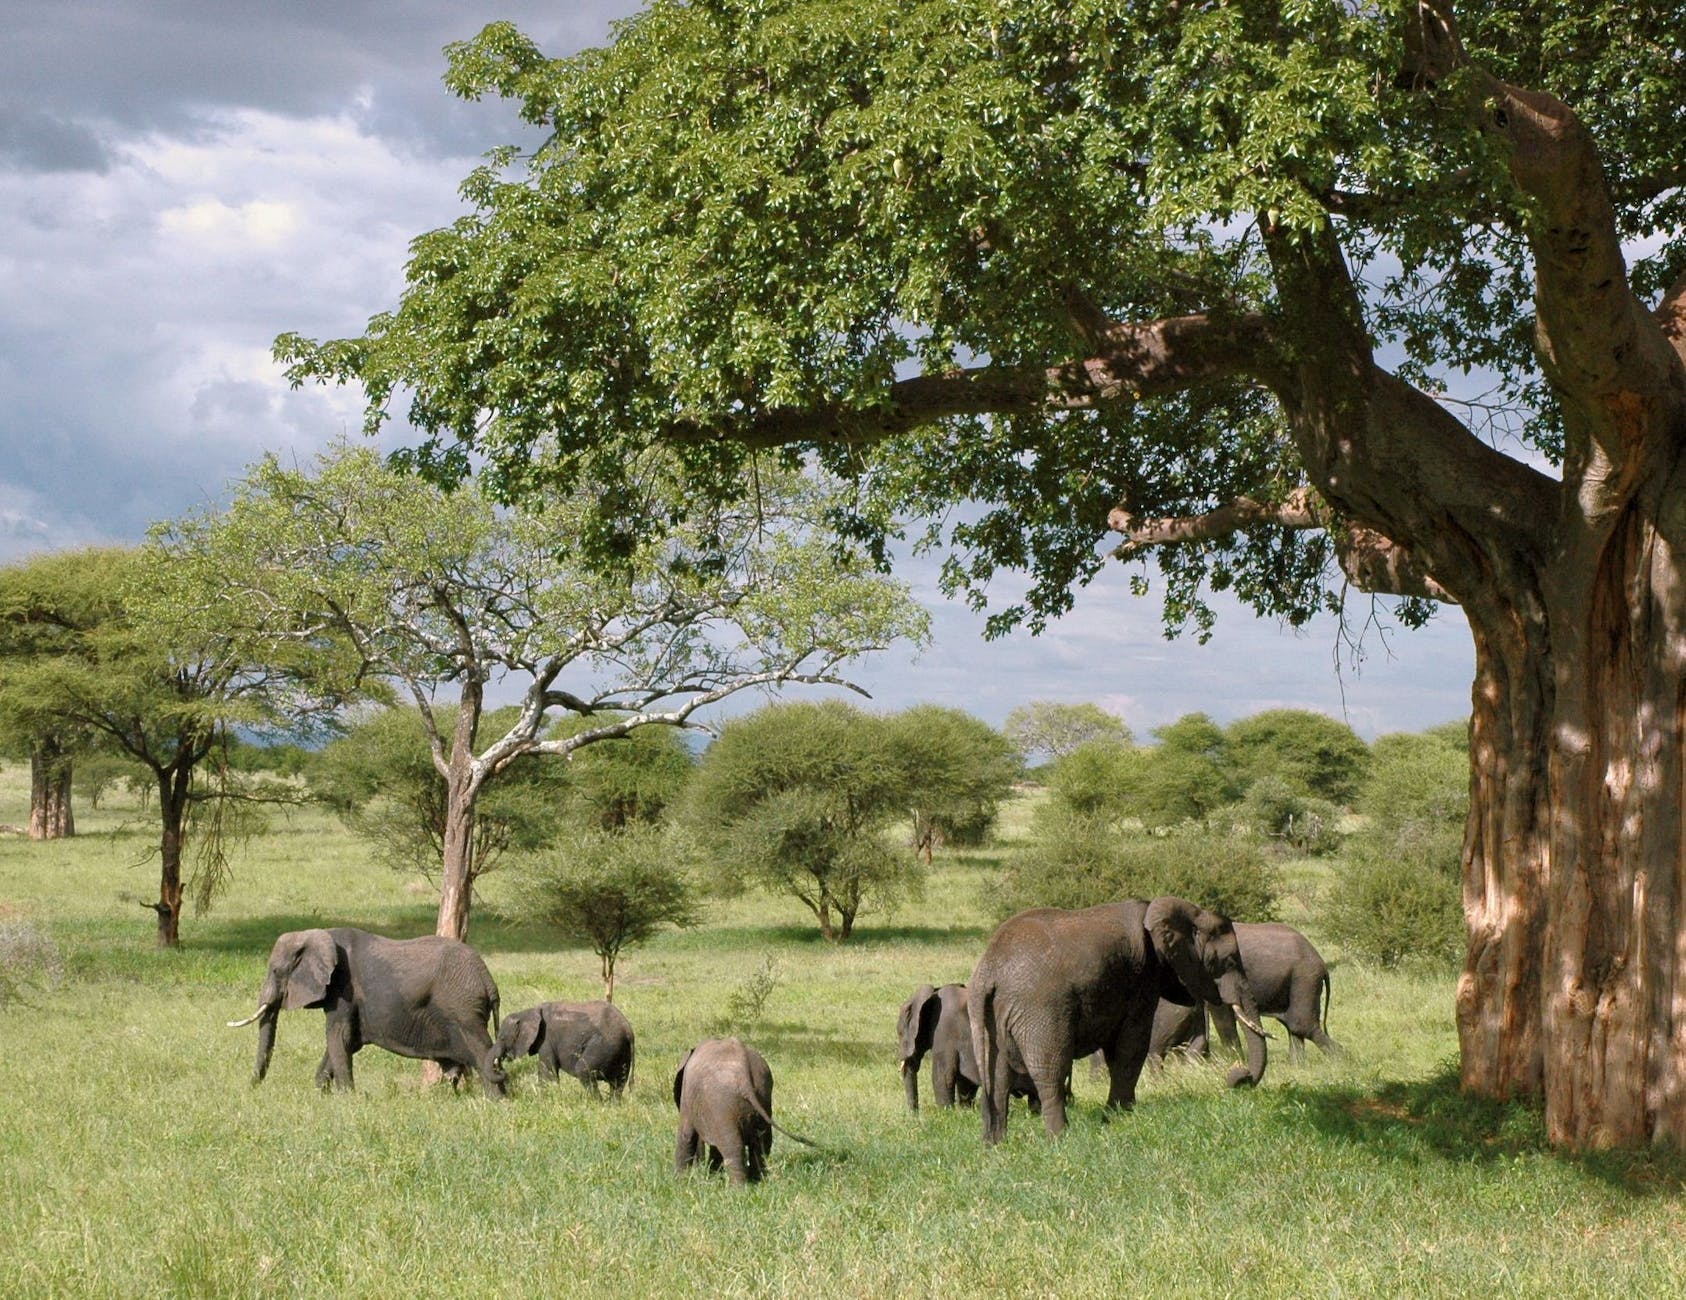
(138, 1160)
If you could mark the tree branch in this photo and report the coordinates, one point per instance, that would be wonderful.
(1135, 360)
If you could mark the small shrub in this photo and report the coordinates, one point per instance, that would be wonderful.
(748, 1000)
(1274, 809)
(1397, 900)
(29, 959)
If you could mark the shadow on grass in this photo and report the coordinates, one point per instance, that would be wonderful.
(1407, 1118)
(798, 935)
(793, 1040)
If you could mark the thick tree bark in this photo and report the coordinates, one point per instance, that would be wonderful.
(50, 814)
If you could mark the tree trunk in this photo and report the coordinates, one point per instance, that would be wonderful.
(1574, 989)
(608, 977)
(50, 815)
(172, 808)
(456, 882)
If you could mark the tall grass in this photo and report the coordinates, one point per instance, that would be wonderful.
(139, 1161)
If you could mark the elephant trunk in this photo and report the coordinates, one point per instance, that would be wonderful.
(910, 1083)
(269, 1016)
(1240, 998)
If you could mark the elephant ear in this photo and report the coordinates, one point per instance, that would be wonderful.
(1173, 926)
(313, 969)
(529, 1032)
(679, 1078)
(917, 1024)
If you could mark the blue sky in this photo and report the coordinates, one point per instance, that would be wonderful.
(182, 180)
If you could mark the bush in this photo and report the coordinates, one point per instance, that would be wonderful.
(29, 959)
(609, 889)
(1316, 755)
(1277, 812)
(1079, 861)
(1398, 902)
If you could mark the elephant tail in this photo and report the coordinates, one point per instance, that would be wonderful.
(756, 1106)
(993, 1082)
(1323, 1015)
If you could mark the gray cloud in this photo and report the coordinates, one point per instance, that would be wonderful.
(181, 180)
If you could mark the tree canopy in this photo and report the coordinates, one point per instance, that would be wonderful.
(369, 579)
(1054, 729)
(1287, 298)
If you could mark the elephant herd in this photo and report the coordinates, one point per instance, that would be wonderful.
(1124, 982)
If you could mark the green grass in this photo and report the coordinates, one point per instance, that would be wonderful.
(139, 1161)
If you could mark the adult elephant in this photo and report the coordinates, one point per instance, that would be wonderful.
(429, 998)
(1289, 980)
(1053, 985)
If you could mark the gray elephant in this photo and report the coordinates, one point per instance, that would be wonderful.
(593, 1041)
(724, 1092)
(429, 998)
(1289, 980)
(1053, 985)
(1178, 1028)
(937, 1021)
(934, 1021)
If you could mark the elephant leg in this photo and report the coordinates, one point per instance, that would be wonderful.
(1127, 1055)
(739, 1156)
(324, 1073)
(943, 1071)
(1296, 1049)
(685, 1150)
(1328, 1045)
(965, 1091)
(337, 1058)
(547, 1066)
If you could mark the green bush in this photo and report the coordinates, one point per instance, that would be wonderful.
(1316, 755)
(1079, 861)
(1397, 901)
(1274, 810)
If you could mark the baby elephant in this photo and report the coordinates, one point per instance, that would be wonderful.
(590, 1040)
(724, 1092)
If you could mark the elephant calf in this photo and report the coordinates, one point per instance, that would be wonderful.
(937, 1021)
(724, 1091)
(592, 1041)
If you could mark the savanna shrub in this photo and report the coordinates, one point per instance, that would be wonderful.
(1078, 861)
(1283, 815)
(29, 959)
(1397, 902)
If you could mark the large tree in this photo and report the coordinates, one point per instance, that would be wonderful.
(1287, 295)
(445, 596)
(120, 667)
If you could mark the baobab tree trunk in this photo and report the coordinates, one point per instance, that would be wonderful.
(1574, 990)
(50, 815)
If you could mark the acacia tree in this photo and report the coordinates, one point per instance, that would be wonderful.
(443, 594)
(1286, 295)
(121, 669)
(1055, 729)
(46, 604)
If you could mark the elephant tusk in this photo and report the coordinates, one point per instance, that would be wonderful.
(241, 1024)
(1250, 1023)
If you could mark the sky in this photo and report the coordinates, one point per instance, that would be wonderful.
(182, 180)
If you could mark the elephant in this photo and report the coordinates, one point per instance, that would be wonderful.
(1055, 984)
(590, 1040)
(1289, 981)
(724, 1092)
(1177, 1028)
(429, 998)
(936, 1020)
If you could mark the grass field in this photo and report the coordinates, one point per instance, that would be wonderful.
(139, 1161)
